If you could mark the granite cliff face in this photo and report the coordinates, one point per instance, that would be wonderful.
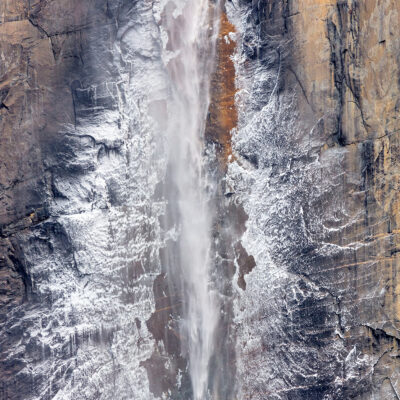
(318, 177)
(79, 234)
(304, 123)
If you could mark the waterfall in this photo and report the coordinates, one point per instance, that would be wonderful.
(190, 29)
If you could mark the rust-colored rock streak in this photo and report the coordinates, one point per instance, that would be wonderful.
(222, 116)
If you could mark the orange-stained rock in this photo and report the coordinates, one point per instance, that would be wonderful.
(222, 117)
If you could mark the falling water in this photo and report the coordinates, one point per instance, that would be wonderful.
(190, 29)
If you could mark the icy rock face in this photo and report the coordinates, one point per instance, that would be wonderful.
(307, 280)
(81, 225)
(315, 172)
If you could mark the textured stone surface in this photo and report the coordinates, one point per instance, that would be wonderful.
(222, 116)
(307, 215)
(317, 143)
(76, 284)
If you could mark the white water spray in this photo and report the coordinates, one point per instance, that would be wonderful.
(190, 29)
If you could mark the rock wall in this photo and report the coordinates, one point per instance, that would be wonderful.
(317, 173)
(79, 226)
(308, 147)
(35, 98)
